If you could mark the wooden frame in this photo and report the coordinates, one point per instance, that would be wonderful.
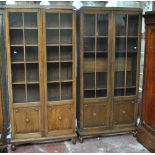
(39, 111)
(110, 100)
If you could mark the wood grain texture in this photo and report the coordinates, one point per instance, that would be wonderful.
(146, 133)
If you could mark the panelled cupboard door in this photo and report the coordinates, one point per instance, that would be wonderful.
(123, 113)
(60, 95)
(23, 38)
(59, 117)
(27, 120)
(95, 115)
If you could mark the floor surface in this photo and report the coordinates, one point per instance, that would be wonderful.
(111, 144)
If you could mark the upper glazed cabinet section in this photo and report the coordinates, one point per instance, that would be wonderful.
(23, 27)
(127, 32)
(95, 55)
(59, 55)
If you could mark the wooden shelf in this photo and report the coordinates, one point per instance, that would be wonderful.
(58, 28)
(16, 28)
(25, 62)
(18, 83)
(32, 82)
(31, 28)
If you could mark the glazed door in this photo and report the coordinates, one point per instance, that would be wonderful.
(127, 32)
(95, 68)
(59, 29)
(23, 28)
(95, 56)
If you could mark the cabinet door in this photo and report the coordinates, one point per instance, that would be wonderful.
(123, 112)
(95, 54)
(27, 120)
(126, 54)
(59, 117)
(95, 115)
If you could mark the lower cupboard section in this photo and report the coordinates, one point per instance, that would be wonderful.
(124, 112)
(102, 117)
(60, 117)
(95, 115)
(26, 120)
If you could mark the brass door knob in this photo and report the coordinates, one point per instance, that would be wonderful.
(27, 120)
(59, 118)
(94, 114)
(123, 111)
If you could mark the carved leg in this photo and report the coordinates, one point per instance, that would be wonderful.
(135, 133)
(80, 139)
(74, 140)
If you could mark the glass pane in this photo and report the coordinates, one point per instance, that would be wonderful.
(65, 36)
(131, 74)
(18, 73)
(52, 36)
(119, 75)
(101, 80)
(15, 19)
(121, 45)
(31, 37)
(53, 92)
(132, 45)
(19, 95)
(121, 21)
(89, 44)
(66, 91)
(16, 37)
(102, 25)
(66, 71)
(89, 81)
(17, 54)
(89, 93)
(133, 24)
(32, 72)
(33, 93)
(52, 53)
(66, 53)
(30, 19)
(66, 20)
(102, 45)
(53, 71)
(31, 53)
(89, 25)
(89, 63)
(101, 93)
(52, 20)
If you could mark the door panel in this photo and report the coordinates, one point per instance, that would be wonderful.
(95, 115)
(59, 117)
(123, 112)
(27, 120)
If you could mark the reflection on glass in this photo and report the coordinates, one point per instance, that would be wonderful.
(89, 25)
(121, 21)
